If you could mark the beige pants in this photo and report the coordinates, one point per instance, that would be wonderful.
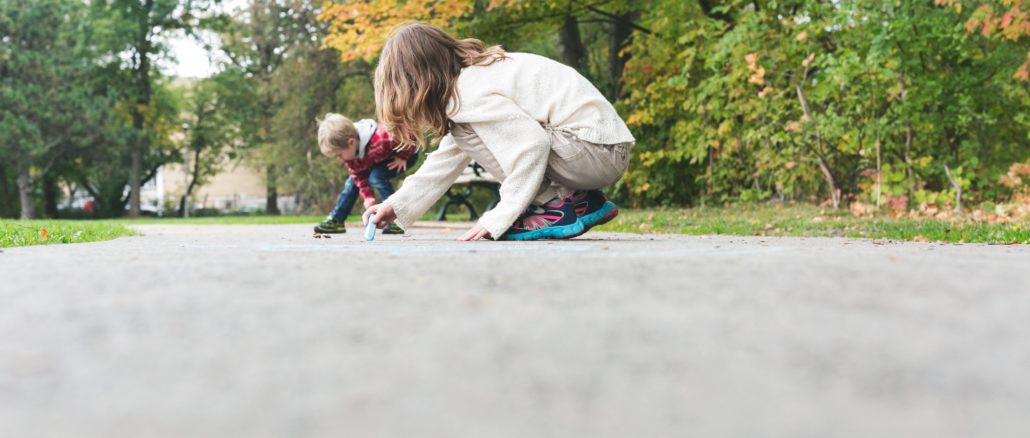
(573, 164)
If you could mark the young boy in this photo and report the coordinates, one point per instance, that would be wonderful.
(371, 155)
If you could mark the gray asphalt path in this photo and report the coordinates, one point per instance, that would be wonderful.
(264, 331)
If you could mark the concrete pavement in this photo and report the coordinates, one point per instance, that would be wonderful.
(263, 331)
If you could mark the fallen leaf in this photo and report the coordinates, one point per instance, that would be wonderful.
(920, 238)
(43, 233)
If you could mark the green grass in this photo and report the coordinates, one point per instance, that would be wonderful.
(780, 220)
(26, 233)
(811, 221)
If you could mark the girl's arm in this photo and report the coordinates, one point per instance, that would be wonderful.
(421, 190)
(521, 147)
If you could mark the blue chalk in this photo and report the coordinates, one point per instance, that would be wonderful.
(370, 229)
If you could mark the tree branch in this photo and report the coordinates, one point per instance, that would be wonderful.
(620, 19)
(84, 182)
(824, 164)
(957, 186)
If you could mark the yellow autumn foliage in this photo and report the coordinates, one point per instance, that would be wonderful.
(358, 28)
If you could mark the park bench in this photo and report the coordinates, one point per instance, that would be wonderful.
(472, 178)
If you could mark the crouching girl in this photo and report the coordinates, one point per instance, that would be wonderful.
(538, 126)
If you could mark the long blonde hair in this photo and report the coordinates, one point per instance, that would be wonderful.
(416, 80)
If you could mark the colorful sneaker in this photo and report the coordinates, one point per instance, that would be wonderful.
(392, 228)
(553, 220)
(330, 226)
(592, 208)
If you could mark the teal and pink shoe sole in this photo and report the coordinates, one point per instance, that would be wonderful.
(603, 215)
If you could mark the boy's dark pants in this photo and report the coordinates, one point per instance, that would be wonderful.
(379, 178)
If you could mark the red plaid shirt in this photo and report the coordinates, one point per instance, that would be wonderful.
(382, 148)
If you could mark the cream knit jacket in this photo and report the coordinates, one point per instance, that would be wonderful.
(508, 104)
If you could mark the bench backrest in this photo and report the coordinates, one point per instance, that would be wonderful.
(475, 173)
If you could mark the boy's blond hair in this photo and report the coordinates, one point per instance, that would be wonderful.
(333, 132)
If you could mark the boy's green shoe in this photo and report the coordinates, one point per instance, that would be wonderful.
(330, 226)
(392, 228)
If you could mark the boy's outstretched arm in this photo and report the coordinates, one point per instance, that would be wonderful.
(364, 187)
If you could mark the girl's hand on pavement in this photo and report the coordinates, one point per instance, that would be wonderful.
(475, 233)
(380, 214)
(398, 165)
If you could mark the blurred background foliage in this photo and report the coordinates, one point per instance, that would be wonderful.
(897, 105)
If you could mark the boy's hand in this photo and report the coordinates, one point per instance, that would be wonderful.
(398, 165)
(381, 215)
(369, 202)
(475, 233)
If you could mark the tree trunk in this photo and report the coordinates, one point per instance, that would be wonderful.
(134, 181)
(184, 200)
(142, 76)
(956, 186)
(830, 183)
(824, 164)
(272, 197)
(909, 174)
(573, 53)
(8, 192)
(879, 177)
(618, 37)
(28, 206)
(50, 196)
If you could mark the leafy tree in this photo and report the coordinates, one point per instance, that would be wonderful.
(101, 165)
(358, 29)
(258, 41)
(212, 139)
(131, 28)
(315, 83)
(811, 100)
(1000, 20)
(45, 112)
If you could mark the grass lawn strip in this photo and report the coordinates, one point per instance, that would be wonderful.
(790, 220)
(811, 221)
(47, 232)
